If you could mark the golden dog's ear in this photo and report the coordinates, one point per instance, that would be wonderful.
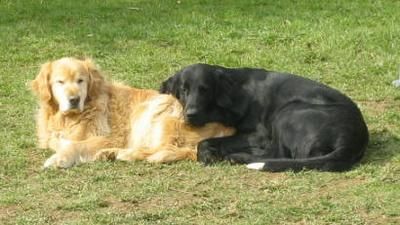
(96, 80)
(41, 84)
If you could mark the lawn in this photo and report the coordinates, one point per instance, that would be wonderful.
(353, 46)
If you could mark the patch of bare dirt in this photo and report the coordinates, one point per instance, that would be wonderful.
(340, 184)
(8, 212)
(376, 108)
(174, 200)
(377, 219)
(63, 216)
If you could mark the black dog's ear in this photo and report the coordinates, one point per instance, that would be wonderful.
(171, 86)
(224, 87)
(165, 87)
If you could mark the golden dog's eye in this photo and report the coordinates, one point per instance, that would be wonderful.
(80, 81)
(60, 82)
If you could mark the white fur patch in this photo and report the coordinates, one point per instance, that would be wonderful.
(65, 143)
(143, 126)
(256, 166)
(61, 97)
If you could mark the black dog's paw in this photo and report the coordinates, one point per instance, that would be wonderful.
(207, 154)
(206, 157)
(238, 158)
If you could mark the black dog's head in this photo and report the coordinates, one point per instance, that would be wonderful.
(203, 90)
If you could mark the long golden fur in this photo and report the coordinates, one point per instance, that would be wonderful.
(83, 118)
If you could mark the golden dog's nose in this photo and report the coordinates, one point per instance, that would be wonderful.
(74, 100)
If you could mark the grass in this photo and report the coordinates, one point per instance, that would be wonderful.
(350, 45)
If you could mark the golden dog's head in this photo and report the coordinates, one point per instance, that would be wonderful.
(67, 84)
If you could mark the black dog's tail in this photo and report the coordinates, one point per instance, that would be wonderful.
(329, 162)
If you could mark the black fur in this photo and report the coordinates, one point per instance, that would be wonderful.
(283, 120)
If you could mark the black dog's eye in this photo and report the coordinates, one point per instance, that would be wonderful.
(202, 89)
(185, 89)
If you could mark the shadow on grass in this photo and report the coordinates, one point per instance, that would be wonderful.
(383, 146)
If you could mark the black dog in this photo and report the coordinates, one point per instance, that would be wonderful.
(283, 121)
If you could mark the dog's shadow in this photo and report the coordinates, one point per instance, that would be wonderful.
(382, 147)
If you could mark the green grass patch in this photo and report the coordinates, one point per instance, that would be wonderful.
(350, 45)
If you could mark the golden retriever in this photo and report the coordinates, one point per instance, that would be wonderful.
(83, 118)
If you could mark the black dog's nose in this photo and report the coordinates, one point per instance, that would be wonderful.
(74, 100)
(191, 112)
(193, 116)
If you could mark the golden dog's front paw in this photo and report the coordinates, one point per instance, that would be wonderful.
(59, 144)
(58, 161)
(126, 155)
